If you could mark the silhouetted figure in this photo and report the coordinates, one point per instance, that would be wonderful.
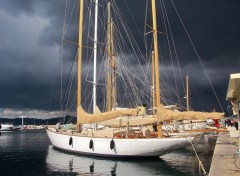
(236, 125)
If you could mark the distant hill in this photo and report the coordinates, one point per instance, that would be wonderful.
(33, 121)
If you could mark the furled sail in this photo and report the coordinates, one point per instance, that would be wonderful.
(84, 117)
(167, 115)
(123, 122)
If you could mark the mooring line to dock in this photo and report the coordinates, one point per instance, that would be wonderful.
(199, 161)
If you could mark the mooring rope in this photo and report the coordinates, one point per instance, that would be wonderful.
(200, 162)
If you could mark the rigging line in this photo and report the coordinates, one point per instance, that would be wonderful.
(198, 56)
(128, 33)
(173, 43)
(63, 100)
(139, 79)
(118, 63)
(73, 102)
(132, 70)
(69, 78)
(174, 47)
(129, 91)
(145, 23)
(147, 83)
(70, 86)
(134, 87)
(133, 20)
(128, 71)
(101, 66)
(74, 24)
(201, 101)
(75, 21)
(89, 24)
(165, 74)
(168, 82)
(66, 15)
(170, 52)
(61, 61)
(152, 45)
(121, 76)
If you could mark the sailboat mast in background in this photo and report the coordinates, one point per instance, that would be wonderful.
(109, 57)
(153, 84)
(114, 89)
(95, 56)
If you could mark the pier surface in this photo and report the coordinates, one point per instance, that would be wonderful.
(225, 161)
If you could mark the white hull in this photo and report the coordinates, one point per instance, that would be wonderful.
(7, 127)
(141, 147)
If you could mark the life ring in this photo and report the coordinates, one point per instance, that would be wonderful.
(112, 144)
(91, 144)
(70, 141)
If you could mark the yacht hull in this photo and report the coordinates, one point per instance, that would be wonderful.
(141, 147)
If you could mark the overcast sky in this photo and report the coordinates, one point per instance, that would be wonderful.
(30, 50)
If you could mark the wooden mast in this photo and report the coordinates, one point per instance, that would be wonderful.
(109, 59)
(79, 57)
(114, 92)
(187, 93)
(153, 84)
(158, 95)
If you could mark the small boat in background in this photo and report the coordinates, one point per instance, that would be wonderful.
(7, 127)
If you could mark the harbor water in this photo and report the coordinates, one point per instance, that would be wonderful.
(30, 153)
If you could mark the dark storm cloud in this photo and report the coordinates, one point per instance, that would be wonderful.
(28, 65)
(18, 7)
(30, 47)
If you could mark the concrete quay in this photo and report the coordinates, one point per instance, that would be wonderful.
(225, 161)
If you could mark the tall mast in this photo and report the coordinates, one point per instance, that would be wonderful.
(156, 52)
(80, 51)
(156, 61)
(153, 84)
(80, 55)
(187, 93)
(95, 56)
(114, 92)
(109, 59)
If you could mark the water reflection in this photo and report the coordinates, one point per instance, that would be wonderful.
(186, 158)
(58, 161)
(181, 162)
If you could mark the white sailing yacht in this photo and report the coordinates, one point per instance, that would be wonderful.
(118, 142)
